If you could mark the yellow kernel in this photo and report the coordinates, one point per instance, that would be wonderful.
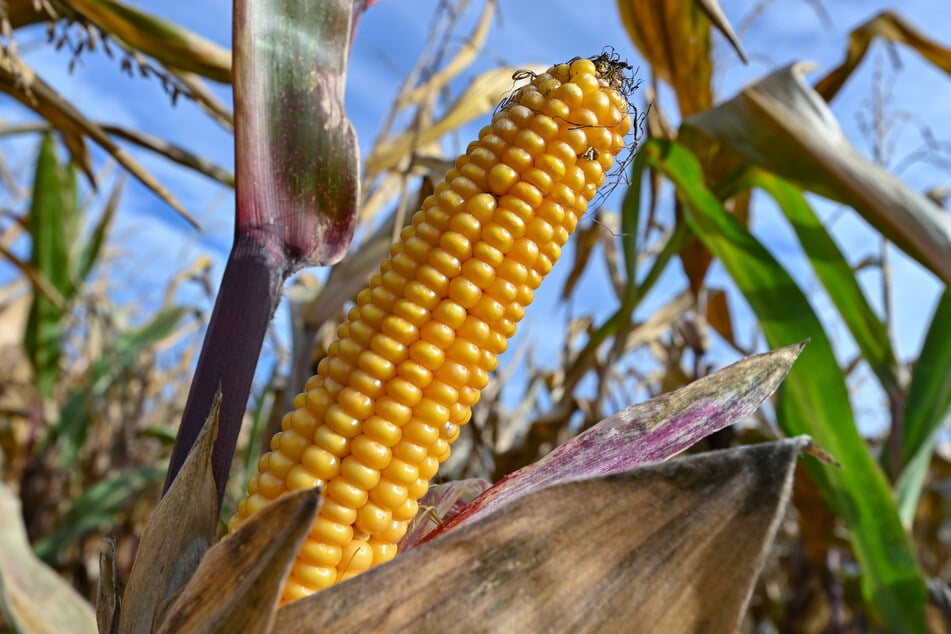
(517, 206)
(575, 139)
(451, 314)
(512, 271)
(348, 349)
(601, 139)
(514, 311)
(592, 172)
(341, 422)
(519, 115)
(412, 313)
(395, 532)
(464, 352)
(540, 231)
(449, 432)
(450, 201)
(517, 158)
(570, 93)
(440, 450)
(389, 494)
(393, 410)
(511, 222)
(355, 403)
(373, 519)
(505, 329)
(587, 83)
(320, 554)
(430, 412)
(437, 333)
(545, 127)
(530, 142)
(456, 244)
(553, 251)
(388, 348)
(444, 262)
(399, 330)
(320, 463)
(497, 236)
(443, 393)
(376, 365)
(428, 468)
(582, 66)
(336, 512)
(554, 167)
(420, 433)
(330, 532)
(528, 193)
(432, 278)
(292, 443)
(371, 452)
(600, 104)
(501, 178)
(357, 556)
(409, 451)
(452, 374)
(366, 384)
(496, 344)
(475, 330)
(460, 414)
(464, 292)
(393, 281)
(415, 373)
(359, 474)
(561, 72)
(338, 370)
(426, 354)
(525, 251)
(502, 290)
(478, 378)
(488, 254)
(400, 471)
(465, 187)
(256, 502)
(379, 430)
(478, 272)
(493, 143)
(421, 295)
(483, 157)
(531, 99)
(311, 576)
(574, 178)
(547, 86)
(403, 392)
(402, 264)
(331, 441)
(540, 179)
(269, 485)
(419, 488)
(407, 511)
(346, 493)
(556, 108)
(299, 478)
(488, 309)
(383, 551)
(417, 249)
(505, 128)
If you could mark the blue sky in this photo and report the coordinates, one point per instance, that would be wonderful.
(155, 244)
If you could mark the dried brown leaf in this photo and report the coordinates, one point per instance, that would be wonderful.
(238, 584)
(718, 314)
(674, 547)
(182, 527)
(781, 124)
(108, 605)
(889, 26)
(33, 598)
(481, 96)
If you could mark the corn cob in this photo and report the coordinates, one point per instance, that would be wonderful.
(376, 421)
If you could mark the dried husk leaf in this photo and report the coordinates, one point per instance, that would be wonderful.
(182, 527)
(238, 584)
(33, 598)
(648, 432)
(108, 605)
(673, 547)
(783, 125)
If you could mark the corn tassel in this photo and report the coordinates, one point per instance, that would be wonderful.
(376, 421)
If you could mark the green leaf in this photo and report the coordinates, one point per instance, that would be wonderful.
(836, 275)
(814, 399)
(929, 400)
(49, 259)
(119, 358)
(89, 254)
(96, 508)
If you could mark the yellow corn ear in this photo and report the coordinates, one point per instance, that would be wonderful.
(387, 401)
